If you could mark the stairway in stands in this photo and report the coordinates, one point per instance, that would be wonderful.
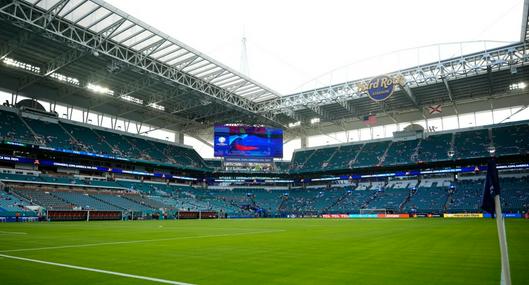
(381, 161)
(353, 161)
(338, 201)
(408, 198)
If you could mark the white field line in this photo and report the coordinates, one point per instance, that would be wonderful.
(96, 270)
(136, 241)
(13, 233)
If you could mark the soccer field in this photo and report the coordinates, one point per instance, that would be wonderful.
(261, 251)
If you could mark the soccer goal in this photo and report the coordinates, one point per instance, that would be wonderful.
(373, 211)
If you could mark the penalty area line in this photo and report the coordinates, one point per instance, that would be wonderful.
(96, 270)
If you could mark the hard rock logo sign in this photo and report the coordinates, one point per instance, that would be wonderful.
(381, 87)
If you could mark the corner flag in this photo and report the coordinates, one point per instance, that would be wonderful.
(492, 204)
(492, 187)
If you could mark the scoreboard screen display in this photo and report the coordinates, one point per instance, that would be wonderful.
(248, 141)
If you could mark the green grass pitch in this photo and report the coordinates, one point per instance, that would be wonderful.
(263, 251)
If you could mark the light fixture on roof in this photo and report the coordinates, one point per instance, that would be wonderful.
(518, 86)
(21, 65)
(295, 124)
(156, 106)
(99, 89)
(314, 121)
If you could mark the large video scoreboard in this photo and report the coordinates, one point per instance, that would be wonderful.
(243, 141)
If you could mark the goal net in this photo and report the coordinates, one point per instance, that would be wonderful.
(373, 211)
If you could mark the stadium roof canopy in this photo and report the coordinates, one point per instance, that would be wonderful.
(93, 42)
(75, 47)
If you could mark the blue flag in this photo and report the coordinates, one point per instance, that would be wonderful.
(492, 187)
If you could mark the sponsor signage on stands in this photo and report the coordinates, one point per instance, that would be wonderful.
(363, 216)
(393, 216)
(505, 215)
(464, 215)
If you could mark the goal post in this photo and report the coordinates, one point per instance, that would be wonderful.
(373, 211)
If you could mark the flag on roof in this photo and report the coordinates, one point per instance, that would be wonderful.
(435, 109)
(370, 120)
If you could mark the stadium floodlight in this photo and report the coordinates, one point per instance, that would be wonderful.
(314, 121)
(156, 106)
(22, 65)
(64, 78)
(131, 99)
(295, 124)
(518, 86)
(99, 89)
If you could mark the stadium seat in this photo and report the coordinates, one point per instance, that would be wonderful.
(371, 154)
(13, 128)
(50, 134)
(88, 139)
(401, 152)
(511, 140)
(435, 148)
(471, 144)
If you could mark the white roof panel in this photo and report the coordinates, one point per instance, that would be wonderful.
(99, 17)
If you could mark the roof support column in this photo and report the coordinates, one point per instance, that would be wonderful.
(179, 138)
(303, 139)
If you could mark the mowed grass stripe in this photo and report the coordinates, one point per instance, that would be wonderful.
(137, 241)
(12, 233)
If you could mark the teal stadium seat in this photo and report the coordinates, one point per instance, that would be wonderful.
(401, 153)
(344, 156)
(317, 161)
(371, 154)
(511, 140)
(45, 199)
(88, 139)
(471, 144)
(10, 205)
(122, 203)
(435, 148)
(282, 166)
(515, 194)
(85, 201)
(19, 177)
(13, 129)
(431, 199)
(467, 196)
(352, 201)
(50, 134)
(390, 199)
(215, 164)
(149, 149)
(120, 145)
